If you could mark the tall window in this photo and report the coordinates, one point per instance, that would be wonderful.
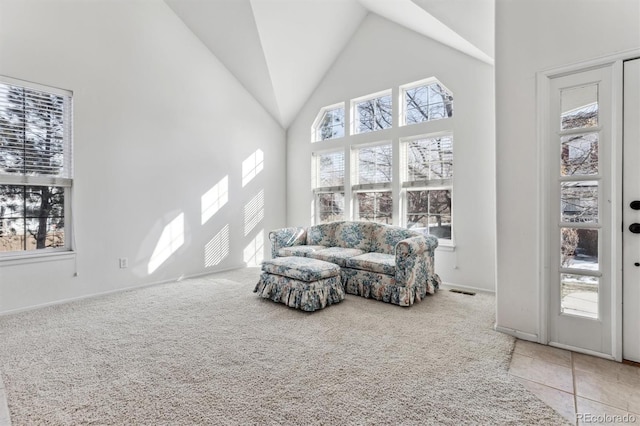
(429, 182)
(329, 186)
(579, 182)
(372, 113)
(425, 101)
(35, 166)
(372, 193)
(423, 170)
(329, 124)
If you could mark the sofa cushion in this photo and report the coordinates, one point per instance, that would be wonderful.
(302, 251)
(375, 262)
(337, 255)
(385, 237)
(323, 234)
(354, 235)
(300, 268)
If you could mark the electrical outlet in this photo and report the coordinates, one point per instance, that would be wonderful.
(124, 262)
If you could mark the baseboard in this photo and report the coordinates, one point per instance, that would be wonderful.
(119, 290)
(517, 333)
(448, 286)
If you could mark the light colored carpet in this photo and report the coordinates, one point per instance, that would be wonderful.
(209, 351)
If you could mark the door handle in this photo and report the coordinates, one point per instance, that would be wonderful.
(635, 228)
(635, 205)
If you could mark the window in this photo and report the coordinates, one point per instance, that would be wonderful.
(374, 206)
(330, 206)
(579, 181)
(373, 195)
(329, 124)
(372, 113)
(425, 101)
(428, 183)
(35, 167)
(415, 189)
(329, 186)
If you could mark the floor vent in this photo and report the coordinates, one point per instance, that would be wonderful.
(468, 293)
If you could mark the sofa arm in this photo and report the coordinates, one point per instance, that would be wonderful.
(286, 237)
(415, 266)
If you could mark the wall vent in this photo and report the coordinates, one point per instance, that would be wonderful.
(468, 293)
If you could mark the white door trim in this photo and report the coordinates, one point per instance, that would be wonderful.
(631, 179)
(544, 189)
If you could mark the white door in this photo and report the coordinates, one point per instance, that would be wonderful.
(631, 213)
(580, 240)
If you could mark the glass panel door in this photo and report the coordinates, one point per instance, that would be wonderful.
(580, 215)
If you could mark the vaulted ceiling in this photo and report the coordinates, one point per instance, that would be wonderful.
(281, 49)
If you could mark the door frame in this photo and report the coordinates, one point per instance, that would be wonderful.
(544, 221)
(630, 248)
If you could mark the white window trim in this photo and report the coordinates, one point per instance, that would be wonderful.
(395, 135)
(404, 142)
(354, 197)
(352, 109)
(402, 108)
(450, 245)
(52, 253)
(316, 123)
(316, 209)
(315, 169)
(316, 190)
(355, 177)
(440, 184)
(357, 187)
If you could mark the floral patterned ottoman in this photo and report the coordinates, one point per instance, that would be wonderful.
(300, 282)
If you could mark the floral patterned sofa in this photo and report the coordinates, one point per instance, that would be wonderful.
(383, 262)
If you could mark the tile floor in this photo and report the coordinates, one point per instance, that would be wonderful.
(579, 387)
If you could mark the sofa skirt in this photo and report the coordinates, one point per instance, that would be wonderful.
(307, 296)
(382, 287)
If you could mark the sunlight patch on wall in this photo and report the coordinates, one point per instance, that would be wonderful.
(214, 199)
(253, 212)
(217, 249)
(171, 239)
(254, 252)
(252, 166)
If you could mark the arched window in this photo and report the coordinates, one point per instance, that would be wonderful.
(329, 123)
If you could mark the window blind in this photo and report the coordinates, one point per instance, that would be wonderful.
(330, 170)
(374, 166)
(429, 160)
(35, 135)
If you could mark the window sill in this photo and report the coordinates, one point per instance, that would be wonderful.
(446, 247)
(23, 259)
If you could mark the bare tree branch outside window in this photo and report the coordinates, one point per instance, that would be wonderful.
(426, 103)
(374, 114)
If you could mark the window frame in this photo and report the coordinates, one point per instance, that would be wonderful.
(334, 189)
(355, 168)
(426, 184)
(356, 209)
(402, 106)
(26, 181)
(357, 187)
(395, 135)
(355, 117)
(316, 129)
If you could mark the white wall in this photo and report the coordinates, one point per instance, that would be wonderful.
(531, 36)
(158, 122)
(383, 55)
